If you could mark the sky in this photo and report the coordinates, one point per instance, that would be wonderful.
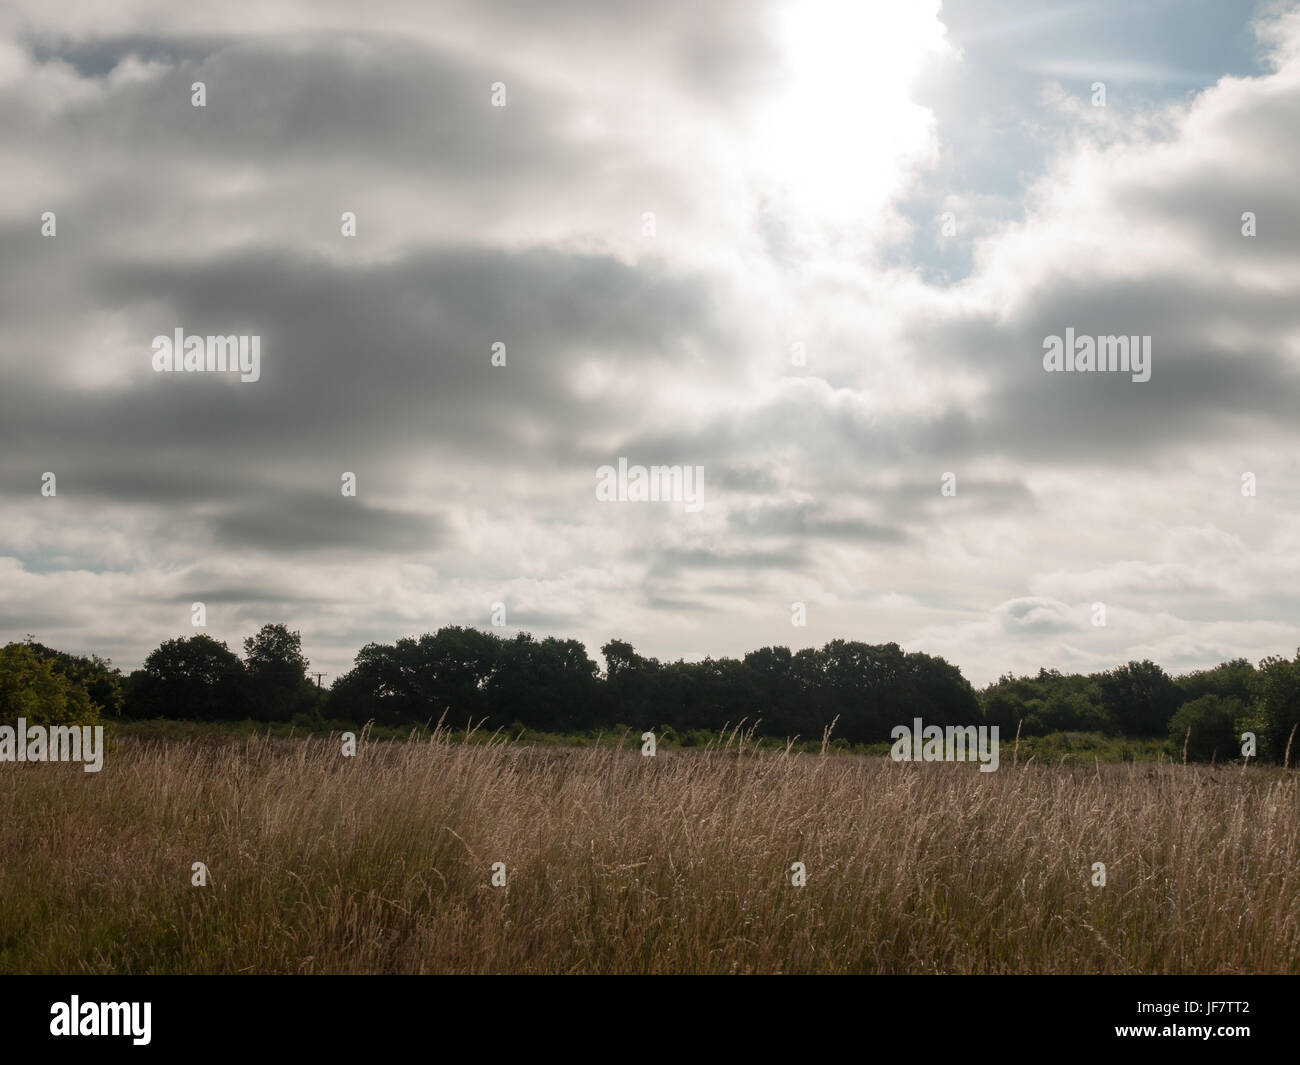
(813, 248)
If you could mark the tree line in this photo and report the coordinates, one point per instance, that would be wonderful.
(552, 685)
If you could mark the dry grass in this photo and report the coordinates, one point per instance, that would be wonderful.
(618, 863)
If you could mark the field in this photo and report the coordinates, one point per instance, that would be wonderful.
(618, 863)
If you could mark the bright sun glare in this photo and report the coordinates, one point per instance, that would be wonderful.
(837, 133)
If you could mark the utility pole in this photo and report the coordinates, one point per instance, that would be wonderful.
(318, 677)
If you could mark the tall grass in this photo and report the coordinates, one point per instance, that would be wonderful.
(621, 863)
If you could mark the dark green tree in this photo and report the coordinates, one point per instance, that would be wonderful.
(277, 674)
(1141, 698)
(1207, 727)
(194, 678)
(1277, 707)
(549, 684)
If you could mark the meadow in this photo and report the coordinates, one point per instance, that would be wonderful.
(617, 863)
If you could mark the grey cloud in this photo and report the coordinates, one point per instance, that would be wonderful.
(306, 523)
(666, 562)
(359, 367)
(319, 99)
(812, 521)
(95, 57)
(1034, 616)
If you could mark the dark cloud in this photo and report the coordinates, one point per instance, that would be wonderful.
(305, 523)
